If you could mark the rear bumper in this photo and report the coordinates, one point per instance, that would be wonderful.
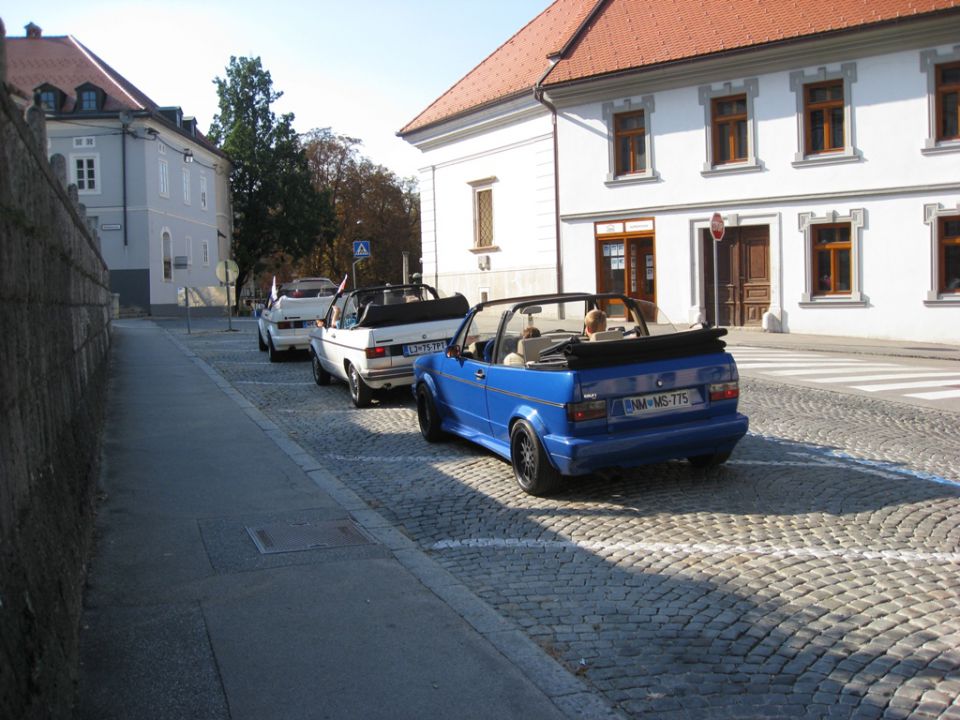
(388, 377)
(291, 339)
(581, 455)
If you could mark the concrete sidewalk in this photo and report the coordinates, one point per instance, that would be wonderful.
(235, 578)
(832, 343)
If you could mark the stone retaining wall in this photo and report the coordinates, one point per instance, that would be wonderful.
(54, 349)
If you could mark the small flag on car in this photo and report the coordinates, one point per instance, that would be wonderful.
(273, 290)
(343, 284)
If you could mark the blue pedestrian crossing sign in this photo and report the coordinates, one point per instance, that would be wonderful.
(361, 248)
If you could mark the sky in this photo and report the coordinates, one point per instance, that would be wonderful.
(363, 68)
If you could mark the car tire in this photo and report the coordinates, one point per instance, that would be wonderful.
(531, 466)
(708, 461)
(427, 415)
(320, 376)
(360, 392)
(272, 351)
(260, 343)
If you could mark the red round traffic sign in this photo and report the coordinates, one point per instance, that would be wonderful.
(717, 227)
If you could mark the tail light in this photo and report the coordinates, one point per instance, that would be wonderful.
(375, 352)
(587, 410)
(285, 325)
(724, 391)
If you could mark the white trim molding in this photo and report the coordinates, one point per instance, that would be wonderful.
(798, 80)
(932, 213)
(706, 93)
(806, 221)
(610, 110)
(929, 59)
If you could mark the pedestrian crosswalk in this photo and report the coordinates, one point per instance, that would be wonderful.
(908, 378)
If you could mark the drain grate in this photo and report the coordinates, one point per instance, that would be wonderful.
(295, 537)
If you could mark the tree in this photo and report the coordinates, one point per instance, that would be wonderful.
(371, 204)
(276, 207)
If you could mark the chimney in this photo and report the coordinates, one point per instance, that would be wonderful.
(33, 31)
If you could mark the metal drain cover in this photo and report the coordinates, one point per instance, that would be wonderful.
(297, 536)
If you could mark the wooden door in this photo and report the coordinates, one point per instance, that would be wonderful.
(626, 265)
(743, 275)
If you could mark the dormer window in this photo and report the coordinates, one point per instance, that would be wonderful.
(89, 98)
(50, 97)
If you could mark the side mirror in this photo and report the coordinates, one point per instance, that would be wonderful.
(453, 351)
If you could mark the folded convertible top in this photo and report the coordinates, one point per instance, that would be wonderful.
(705, 341)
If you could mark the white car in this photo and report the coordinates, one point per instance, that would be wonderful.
(285, 324)
(371, 336)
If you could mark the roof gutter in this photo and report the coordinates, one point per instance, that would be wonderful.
(539, 95)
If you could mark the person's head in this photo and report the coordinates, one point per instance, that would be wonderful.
(531, 332)
(595, 321)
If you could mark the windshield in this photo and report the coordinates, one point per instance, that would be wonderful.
(536, 329)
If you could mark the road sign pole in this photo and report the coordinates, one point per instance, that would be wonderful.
(716, 290)
(717, 231)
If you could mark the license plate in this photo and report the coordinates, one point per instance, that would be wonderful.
(424, 348)
(660, 402)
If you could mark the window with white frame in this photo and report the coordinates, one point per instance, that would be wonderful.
(164, 178)
(825, 115)
(205, 253)
(483, 213)
(85, 173)
(186, 186)
(832, 257)
(87, 141)
(203, 192)
(166, 248)
(731, 127)
(944, 224)
(630, 140)
(942, 70)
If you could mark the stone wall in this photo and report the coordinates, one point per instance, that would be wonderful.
(54, 350)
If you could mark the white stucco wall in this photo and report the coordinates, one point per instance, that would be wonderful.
(517, 159)
(891, 182)
(887, 180)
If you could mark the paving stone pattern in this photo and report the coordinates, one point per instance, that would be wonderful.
(791, 582)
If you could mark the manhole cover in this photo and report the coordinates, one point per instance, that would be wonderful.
(294, 537)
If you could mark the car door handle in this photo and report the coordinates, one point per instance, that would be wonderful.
(479, 374)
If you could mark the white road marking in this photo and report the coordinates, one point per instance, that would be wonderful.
(905, 374)
(938, 395)
(268, 382)
(840, 364)
(910, 557)
(830, 371)
(909, 385)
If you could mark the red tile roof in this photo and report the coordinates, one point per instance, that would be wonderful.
(66, 64)
(622, 35)
(513, 68)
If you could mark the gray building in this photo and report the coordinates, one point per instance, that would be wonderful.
(156, 191)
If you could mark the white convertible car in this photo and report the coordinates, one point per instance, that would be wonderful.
(286, 323)
(371, 336)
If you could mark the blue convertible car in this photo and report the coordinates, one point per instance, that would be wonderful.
(522, 378)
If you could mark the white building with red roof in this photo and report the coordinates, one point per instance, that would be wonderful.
(591, 150)
(154, 188)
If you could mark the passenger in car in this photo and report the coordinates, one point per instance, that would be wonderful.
(595, 321)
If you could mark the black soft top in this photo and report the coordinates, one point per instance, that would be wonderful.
(705, 341)
(448, 308)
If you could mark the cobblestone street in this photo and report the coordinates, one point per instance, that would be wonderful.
(816, 574)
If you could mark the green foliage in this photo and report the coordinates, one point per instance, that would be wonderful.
(276, 207)
(371, 203)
